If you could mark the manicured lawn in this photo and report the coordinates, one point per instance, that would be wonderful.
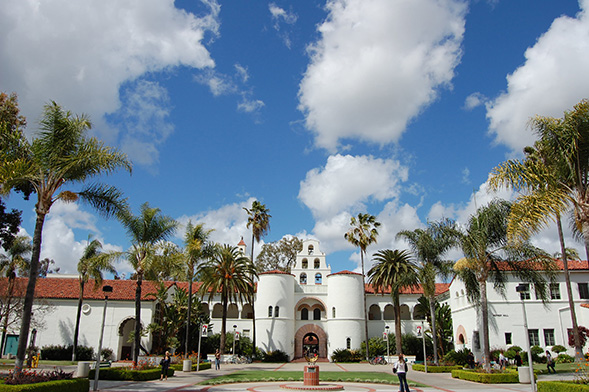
(268, 376)
(560, 367)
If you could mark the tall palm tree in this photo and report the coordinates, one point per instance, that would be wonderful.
(90, 266)
(196, 243)
(393, 270)
(363, 232)
(545, 184)
(229, 274)
(9, 264)
(148, 233)
(259, 220)
(429, 247)
(489, 257)
(60, 156)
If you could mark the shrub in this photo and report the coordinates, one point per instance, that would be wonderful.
(344, 355)
(559, 349)
(536, 352)
(412, 345)
(561, 386)
(564, 358)
(73, 385)
(203, 366)
(486, 378)
(64, 353)
(32, 377)
(435, 369)
(458, 357)
(376, 346)
(106, 354)
(275, 356)
(495, 354)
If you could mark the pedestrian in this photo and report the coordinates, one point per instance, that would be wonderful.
(470, 360)
(165, 362)
(518, 359)
(502, 361)
(550, 362)
(217, 360)
(400, 368)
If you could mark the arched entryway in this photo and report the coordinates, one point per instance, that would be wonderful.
(312, 336)
(310, 344)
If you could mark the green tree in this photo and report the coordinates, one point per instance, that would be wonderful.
(489, 257)
(90, 266)
(229, 274)
(363, 232)
(259, 220)
(17, 259)
(280, 255)
(148, 233)
(59, 157)
(393, 270)
(444, 323)
(429, 247)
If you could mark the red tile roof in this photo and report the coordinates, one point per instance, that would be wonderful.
(345, 272)
(275, 272)
(573, 265)
(440, 288)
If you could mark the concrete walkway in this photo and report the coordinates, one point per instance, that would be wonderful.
(188, 381)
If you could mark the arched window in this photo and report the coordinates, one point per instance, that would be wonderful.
(389, 312)
(305, 263)
(318, 278)
(310, 248)
(333, 312)
(374, 312)
(269, 311)
(348, 343)
(316, 263)
(277, 311)
(317, 314)
(305, 314)
(303, 278)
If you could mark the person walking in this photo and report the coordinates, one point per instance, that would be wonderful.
(400, 368)
(550, 363)
(217, 360)
(518, 359)
(165, 362)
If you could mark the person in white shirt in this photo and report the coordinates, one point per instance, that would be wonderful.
(400, 368)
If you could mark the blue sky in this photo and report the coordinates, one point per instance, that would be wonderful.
(320, 110)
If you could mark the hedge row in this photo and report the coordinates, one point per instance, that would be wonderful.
(486, 378)
(73, 385)
(121, 373)
(561, 386)
(435, 369)
(203, 366)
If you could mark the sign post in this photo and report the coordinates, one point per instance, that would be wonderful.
(421, 334)
(203, 332)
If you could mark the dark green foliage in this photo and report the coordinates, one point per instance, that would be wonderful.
(537, 351)
(412, 345)
(9, 224)
(561, 386)
(378, 346)
(64, 353)
(344, 355)
(564, 358)
(275, 356)
(120, 373)
(435, 369)
(558, 349)
(242, 347)
(73, 385)
(495, 354)
(511, 351)
(486, 378)
(458, 357)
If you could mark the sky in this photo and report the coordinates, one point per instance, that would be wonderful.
(318, 109)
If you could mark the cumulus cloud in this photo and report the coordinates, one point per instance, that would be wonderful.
(80, 53)
(552, 79)
(378, 64)
(474, 100)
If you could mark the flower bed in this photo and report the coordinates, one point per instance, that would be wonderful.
(121, 373)
(435, 369)
(561, 386)
(74, 385)
(508, 376)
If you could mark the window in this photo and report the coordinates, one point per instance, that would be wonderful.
(277, 311)
(316, 263)
(333, 312)
(317, 314)
(508, 338)
(310, 248)
(318, 278)
(305, 314)
(534, 337)
(549, 337)
(303, 278)
(524, 295)
(348, 343)
(476, 340)
(584, 290)
(245, 333)
(269, 311)
(554, 291)
(305, 263)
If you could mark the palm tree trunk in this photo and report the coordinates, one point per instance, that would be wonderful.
(365, 309)
(485, 329)
(223, 326)
(432, 312)
(78, 316)
(567, 277)
(137, 318)
(187, 345)
(253, 304)
(30, 293)
(398, 337)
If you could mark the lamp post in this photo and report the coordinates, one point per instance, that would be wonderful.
(386, 331)
(424, 352)
(234, 335)
(521, 289)
(106, 290)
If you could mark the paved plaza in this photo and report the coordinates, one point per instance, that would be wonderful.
(189, 381)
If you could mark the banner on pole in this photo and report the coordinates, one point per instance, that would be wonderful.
(205, 330)
(237, 335)
(419, 331)
(384, 336)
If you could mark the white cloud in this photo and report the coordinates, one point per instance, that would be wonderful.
(553, 78)
(377, 65)
(250, 105)
(242, 72)
(281, 15)
(80, 53)
(218, 83)
(348, 182)
(474, 100)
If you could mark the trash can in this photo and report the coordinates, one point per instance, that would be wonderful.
(83, 369)
(187, 365)
(523, 373)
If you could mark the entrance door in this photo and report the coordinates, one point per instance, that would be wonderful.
(310, 345)
(11, 345)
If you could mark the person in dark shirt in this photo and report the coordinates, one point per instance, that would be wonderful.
(165, 366)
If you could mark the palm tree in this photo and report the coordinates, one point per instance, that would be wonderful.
(196, 241)
(429, 246)
(90, 266)
(545, 183)
(148, 233)
(259, 220)
(393, 270)
(363, 232)
(15, 260)
(229, 274)
(60, 156)
(489, 257)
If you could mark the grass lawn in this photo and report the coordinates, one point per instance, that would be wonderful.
(560, 367)
(267, 376)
